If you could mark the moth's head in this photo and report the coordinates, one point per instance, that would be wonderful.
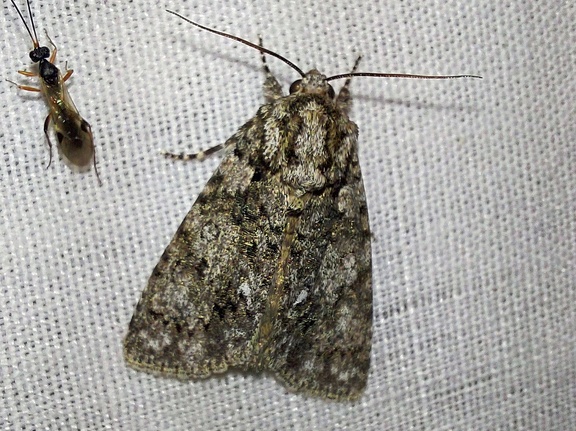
(313, 82)
(39, 53)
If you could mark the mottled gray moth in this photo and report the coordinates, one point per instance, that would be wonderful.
(270, 271)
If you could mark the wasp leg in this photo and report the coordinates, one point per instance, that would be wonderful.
(67, 75)
(27, 73)
(46, 125)
(96, 170)
(53, 55)
(25, 87)
(94, 156)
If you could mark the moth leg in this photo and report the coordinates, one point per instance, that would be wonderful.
(200, 155)
(46, 125)
(343, 100)
(25, 87)
(272, 88)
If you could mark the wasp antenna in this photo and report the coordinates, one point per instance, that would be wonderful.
(400, 75)
(32, 21)
(245, 42)
(33, 37)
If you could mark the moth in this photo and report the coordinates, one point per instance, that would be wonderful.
(74, 134)
(270, 271)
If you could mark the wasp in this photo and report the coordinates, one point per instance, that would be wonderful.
(74, 134)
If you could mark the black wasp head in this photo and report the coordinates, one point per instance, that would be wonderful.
(39, 53)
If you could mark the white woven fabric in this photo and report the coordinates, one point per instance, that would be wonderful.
(470, 184)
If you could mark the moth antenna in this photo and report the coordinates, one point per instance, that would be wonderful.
(297, 69)
(35, 37)
(239, 39)
(399, 75)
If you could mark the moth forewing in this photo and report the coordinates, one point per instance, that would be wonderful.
(271, 268)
